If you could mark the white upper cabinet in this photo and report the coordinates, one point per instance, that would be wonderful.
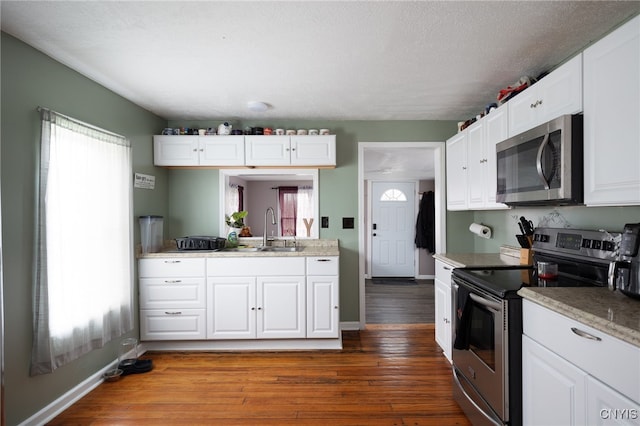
(268, 150)
(611, 124)
(471, 163)
(290, 150)
(457, 172)
(198, 150)
(558, 93)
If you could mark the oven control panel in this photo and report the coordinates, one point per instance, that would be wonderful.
(586, 243)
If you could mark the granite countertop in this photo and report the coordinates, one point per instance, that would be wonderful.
(610, 312)
(324, 247)
(462, 260)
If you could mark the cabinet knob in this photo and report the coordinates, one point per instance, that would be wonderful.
(464, 168)
(253, 308)
(259, 308)
(335, 307)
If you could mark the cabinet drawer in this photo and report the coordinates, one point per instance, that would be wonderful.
(443, 272)
(172, 267)
(610, 360)
(158, 293)
(172, 324)
(323, 265)
(255, 266)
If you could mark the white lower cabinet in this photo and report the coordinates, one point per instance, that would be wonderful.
(575, 375)
(323, 295)
(239, 298)
(553, 390)
(172, 299)
(443, 310)
(256, 307)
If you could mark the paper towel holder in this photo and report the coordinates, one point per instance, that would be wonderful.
(480, 230)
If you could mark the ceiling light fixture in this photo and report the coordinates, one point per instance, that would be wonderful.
(257, 106)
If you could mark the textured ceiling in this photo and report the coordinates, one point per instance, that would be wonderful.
(311, 60)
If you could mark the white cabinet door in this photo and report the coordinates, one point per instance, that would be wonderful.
(443, 307)
(457, 172)
(175, 150)
(611, 125)
(558, 93)
(476, 170)
(231, 308)
(281, 307)
(606, 406)
(221, 150)
(313, 150)
(172, 292)
(171, 267)
(443, 317)
(267, 150)
(172, 324)
(496, 126)
(553, 390)
(323, 312)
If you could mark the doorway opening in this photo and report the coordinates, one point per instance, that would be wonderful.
(422, 164)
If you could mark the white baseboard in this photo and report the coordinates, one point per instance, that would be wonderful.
(65, 401)
(350, 325)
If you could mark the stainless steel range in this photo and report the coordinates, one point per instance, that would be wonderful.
(487, 328)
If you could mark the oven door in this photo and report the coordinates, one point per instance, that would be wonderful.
(479, 347)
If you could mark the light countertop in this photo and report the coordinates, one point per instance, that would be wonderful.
(324, 247)
(610, 312)
(462, 260)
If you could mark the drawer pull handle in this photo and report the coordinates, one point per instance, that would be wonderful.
(323, 260)
(172, 281)
(173, 313)
(585, 334)
(171, 261)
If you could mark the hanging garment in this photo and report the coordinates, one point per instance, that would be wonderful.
(425, 223)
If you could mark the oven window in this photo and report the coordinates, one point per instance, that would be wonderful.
(482, 335)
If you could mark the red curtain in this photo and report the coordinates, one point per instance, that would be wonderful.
(288, 197)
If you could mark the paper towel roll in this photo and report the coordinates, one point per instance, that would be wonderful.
(480, 230)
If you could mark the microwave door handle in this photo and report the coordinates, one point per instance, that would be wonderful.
(544, 143)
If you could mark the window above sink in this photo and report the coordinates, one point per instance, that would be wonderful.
(264, 188)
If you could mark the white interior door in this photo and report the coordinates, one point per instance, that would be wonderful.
(392, 229)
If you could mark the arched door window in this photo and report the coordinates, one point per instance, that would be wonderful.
(393, 195)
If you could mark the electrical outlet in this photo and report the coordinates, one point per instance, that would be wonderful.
(347, 223)
(325, 222)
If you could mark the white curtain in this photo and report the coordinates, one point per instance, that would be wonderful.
(83, 265)
(232, 199)
(305, 209)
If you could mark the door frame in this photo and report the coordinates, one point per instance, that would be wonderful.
(438, 152)
(368, 266)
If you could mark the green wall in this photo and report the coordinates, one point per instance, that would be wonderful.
(30, 79)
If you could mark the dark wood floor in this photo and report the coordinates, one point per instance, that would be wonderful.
(399, 304)
(385, 375)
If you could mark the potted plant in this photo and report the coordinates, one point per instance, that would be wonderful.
(235, 221)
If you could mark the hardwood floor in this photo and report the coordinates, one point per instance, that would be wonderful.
(385, 375)
(400, 304)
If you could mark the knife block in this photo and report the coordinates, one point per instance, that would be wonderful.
(526, 256)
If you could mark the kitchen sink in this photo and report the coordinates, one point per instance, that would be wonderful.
(281, 249)
(242, 249)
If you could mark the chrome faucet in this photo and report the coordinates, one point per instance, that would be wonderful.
(273, 222)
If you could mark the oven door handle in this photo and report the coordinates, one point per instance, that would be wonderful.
(486, 302)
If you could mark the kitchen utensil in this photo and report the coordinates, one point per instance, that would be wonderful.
(527, 226)
(523, 241)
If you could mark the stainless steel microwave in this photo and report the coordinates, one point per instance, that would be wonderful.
(542, 166)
